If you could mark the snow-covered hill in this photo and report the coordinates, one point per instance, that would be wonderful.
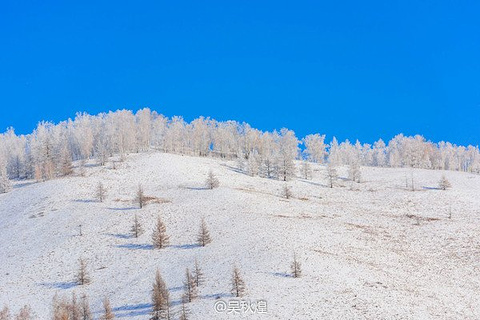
(374, 250)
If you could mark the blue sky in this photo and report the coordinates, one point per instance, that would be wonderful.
(351, 69)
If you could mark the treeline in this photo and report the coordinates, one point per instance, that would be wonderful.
(51, 148)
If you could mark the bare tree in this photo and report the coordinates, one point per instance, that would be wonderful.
(136, 229)
(5, 314)
(61, 308)
(85, 312)
(159, 236)
(190, 287)
(287, 192)
(100, 192)
(444, 184)
(296, 267)
(107, 310)
(203, 237)
(332, 175)
(238, 285)
(140, 197)
(198, 274)
(74, 308)
(212, 181)
(82, 276)
(160, 299)
(184, 312)
(25, 313)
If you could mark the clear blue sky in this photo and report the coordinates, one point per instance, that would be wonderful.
(353, 69)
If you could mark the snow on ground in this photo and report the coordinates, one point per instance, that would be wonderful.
(373, 250)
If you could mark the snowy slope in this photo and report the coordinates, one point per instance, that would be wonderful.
(364, 252)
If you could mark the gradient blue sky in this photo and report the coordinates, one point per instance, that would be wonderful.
(351, 69)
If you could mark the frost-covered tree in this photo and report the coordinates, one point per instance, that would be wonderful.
(354, 172)
(140, 197)
(203, 237)
(332, 175)
(160, 299)
(286, 192)
(288, 152)
(306, 170)
(159, 237)
(100, 192)
(212, 181)
(136, 228)
(444, 184)
(315, 147)
(82, 276)
(238, 284)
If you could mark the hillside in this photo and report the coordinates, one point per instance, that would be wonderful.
(368, 251)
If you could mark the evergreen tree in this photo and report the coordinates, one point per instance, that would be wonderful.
(203, 237)
(238, 285)
(160, 299)
(136, 229)
(159, 236)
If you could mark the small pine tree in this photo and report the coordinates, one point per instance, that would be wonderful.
(85, 313)
(203, 237)
(136, 229)
(332, 175)
(140, 197)
(444, 184)
(160, 299)
(238, 285)
(296, 267)
(25, 313)
(212, 181)
(190, 287)
(74, 308)
(61, 308)
(287, 192)
(5, 314)
(198, 274)
(159, 236)
(184, 312)
(100, 192)
(82, 277)
(107, 310)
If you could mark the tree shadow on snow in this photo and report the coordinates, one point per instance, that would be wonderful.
(134, 246)
(215, 296)
(313, 183)
(431, 188)
(132, 310)
(123, 209)
(281, 274)
(186, 246)
(59, 285)
(197, 188)
(119, 235)
(84, 200)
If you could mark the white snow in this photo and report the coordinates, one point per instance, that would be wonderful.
(364, 253)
